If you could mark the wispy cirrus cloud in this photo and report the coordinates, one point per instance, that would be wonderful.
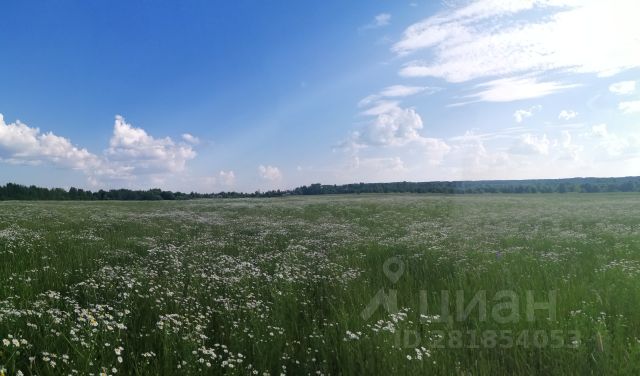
(630, 107)
(505, 38)
(623, 87)
(514, 89)
(396, 91)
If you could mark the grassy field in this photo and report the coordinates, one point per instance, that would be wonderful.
(322, 285)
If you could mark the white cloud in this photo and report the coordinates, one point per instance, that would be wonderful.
(395, 126)
(380, 107)
(520, 153)
(402, 90)
(496, 38)
(571, 150)
(132, 152)
(623, 87)
(629, 107)
(515, 88)
(395, 91)
(531, 144)
(191, 139)
(21, 144)
(228, 178)
(470, 158)
(398, 127)
(270, 173)
(520, 115)
(435, 150)
(611, 143)
(567, 115)
(380, 20)
(135, 148)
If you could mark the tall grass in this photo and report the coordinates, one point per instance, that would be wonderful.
(281, 286)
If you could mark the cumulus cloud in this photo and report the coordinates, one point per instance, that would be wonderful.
(228, 178)
(531, 144)
(623, 87)
(487, 38)
(570, 149)
(470, 158)
(611, 143)
(191, 139)
(270, 173)
(520, 115)
(393, 125)
(567, 115)
(397, 127)
(21, 144)
(131, 153)
(629, 107)
(145, 154)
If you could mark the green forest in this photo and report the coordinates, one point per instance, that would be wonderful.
(11, 191)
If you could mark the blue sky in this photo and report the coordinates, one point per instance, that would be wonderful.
(247, 95)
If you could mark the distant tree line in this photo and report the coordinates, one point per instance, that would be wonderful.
(582, 185)
(12, 191)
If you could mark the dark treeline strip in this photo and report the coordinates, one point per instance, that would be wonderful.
(12, 191)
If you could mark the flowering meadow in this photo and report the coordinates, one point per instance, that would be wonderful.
(322, 285)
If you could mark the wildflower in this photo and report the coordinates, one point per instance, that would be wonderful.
(352, 335)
